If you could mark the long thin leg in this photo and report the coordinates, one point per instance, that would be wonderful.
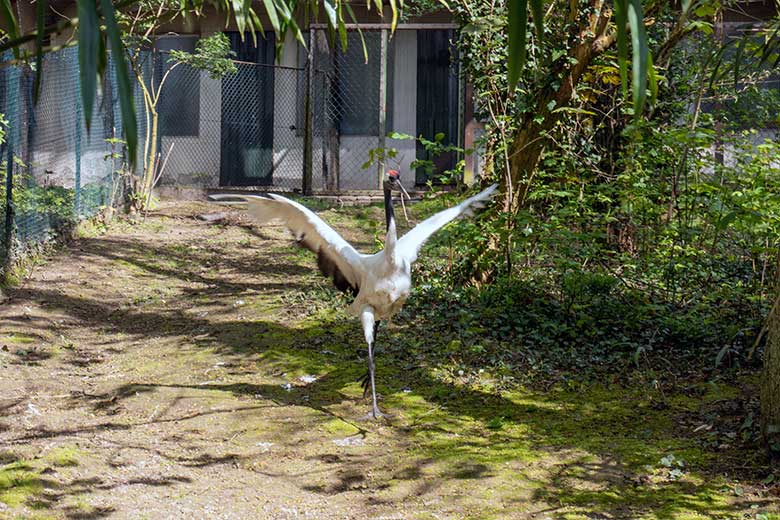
(375, 410)
(370, 326)
(376, 328)
(365, 379)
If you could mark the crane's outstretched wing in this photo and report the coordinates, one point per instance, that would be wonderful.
(336, 258)
(409, 245)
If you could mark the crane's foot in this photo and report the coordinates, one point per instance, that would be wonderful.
(375, 415)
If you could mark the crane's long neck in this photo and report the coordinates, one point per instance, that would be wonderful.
(389, 212)
(392, 237)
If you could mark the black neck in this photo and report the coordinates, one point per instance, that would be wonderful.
(389, 213)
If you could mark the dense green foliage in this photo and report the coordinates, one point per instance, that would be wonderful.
(212, 54)
(642, 244)
(55, 204)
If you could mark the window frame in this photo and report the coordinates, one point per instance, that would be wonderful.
(191, 126)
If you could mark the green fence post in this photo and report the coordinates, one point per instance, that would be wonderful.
(77, 182)
(9, 177)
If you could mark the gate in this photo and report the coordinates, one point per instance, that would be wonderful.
(247, 115)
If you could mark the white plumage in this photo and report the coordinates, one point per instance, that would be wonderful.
(380, 282)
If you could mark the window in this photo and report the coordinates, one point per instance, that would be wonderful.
(357, 85)
(179, 105)
(346, 88)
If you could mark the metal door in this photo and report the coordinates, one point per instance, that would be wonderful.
(437, 96)
(247, 136)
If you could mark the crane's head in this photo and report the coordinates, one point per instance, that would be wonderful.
(393, 182)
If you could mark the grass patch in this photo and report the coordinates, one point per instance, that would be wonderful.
(17, 338)
(64, 456)
(19, 481)
(22, 481)
(340, 428)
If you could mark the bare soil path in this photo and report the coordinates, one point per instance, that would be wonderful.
(179, 369)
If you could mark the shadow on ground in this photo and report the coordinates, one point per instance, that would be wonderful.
(556, 454)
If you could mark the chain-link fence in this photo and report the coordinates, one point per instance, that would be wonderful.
(246, 129)
(308, 128)
(53, 170)
(268, 126)
(355, 112)
(384, 84)
(271, 127)
(249, 128)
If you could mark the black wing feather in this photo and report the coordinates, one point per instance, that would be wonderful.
(329, 268)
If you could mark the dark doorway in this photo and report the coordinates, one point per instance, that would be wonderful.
(248, 114)
(437, 97)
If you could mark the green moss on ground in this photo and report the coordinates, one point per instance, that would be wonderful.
(23, 481)
(219, 369)
(17, 338)
(19, 481)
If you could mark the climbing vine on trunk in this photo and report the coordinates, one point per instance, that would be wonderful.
(770, 386)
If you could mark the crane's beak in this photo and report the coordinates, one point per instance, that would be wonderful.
(403, 193)
(402, 189)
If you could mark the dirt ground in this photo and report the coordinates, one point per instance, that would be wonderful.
(179, 369)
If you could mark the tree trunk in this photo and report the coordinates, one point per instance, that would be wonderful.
(770, 384)
(524, 153)
(530, 140)
(151, 162)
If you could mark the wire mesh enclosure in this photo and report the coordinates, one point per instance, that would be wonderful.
(243, 130)
(54, 171)
(308, 125)
(354, 107)
(384, 84)
(256, 127)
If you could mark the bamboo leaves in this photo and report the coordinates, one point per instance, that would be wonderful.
(640, 54)
(629, 21)
(538, 18)
(9, 20)
(126, 104)
(89, 38)
(518, 23)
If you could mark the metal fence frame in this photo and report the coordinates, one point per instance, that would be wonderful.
(48, 145)
(48, 149)
(331, 87)
(312, 110)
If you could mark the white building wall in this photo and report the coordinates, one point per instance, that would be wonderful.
(405, 102)
(195, 160)
(288, 138)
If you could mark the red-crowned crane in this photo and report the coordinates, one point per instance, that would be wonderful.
(380, 283)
